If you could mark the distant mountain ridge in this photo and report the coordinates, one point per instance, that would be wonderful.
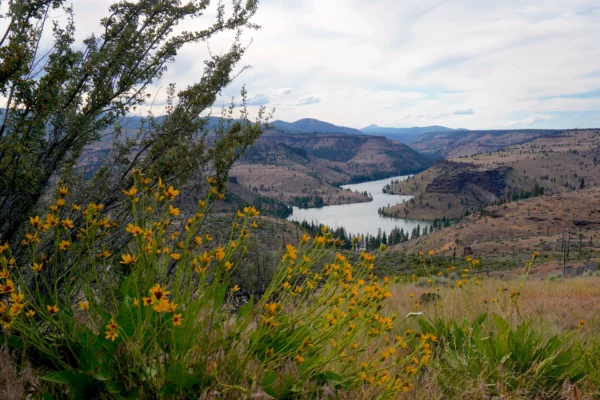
(415, 130)
(310, 125)
(406, 135)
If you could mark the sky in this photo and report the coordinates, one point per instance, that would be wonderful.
(476, 64)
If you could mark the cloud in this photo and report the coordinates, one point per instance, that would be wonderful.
(282, 91)
(468, 111)
(257, 100)
(385, 61)
(533, 119)
(304, 101)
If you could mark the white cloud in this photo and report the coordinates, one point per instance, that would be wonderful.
(257, 100)
(468, 111)
(406, 63)
(533, 119)
(304, 101)
(282, 91)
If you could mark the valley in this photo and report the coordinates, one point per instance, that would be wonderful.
(307, 169)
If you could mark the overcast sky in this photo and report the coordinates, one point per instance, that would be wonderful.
(459, 63)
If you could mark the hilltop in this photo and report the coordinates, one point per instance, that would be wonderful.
(459, 143)
(311, 125)
(511, 231)
(405, 135)
(546, 164)
(306, 169)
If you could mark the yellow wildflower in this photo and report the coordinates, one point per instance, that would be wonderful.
(177, 319)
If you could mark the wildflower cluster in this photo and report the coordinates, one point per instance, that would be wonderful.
(160, 299)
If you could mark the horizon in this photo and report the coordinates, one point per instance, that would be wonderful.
(498, 65)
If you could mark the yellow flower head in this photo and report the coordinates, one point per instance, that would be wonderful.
(16, 308)
(161, 305)
(171, 193)
(177, 319)
(220, 254)
(36, 222)
(234, 289)
(63, 191)
(67, 223)
(104, 254)
(174, 211)
(112, 335)
(130, 193)
(128, 259)
(30, 313)
(17, 297)
(134, 230)
(8, 287)
(52, 309)
(158, 292)
(64, 245)
(84, 305)
(251, 211)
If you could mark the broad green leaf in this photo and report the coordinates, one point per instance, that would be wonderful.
(180, 377)
(268, 383)
(219, 296)
(245, 310)
(502, 325)
(102, 374)
(78, 383)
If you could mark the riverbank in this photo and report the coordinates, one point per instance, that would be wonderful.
(361, 218)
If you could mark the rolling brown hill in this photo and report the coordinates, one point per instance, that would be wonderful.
(465, 143)
(545, 165)
(305, 169)
(511, 232)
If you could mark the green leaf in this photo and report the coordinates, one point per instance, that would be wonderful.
(132, 395)
(502, 325)
(125, 319)
(102, 374)
(426, 326)
(180, 377)
(245, 310)
(331, 378)
(77, 382)
(124, 290)
(268, 383)
(479, 320)
(219, 296)
(113, 387)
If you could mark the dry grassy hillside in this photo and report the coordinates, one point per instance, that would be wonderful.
(305, 169)
(466, 143)
(546, 224)
(546, 165)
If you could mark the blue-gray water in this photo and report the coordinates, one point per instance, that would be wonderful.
(360, 218)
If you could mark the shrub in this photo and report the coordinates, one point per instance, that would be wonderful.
(497, 358)
(156, 319)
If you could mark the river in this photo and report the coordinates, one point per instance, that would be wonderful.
(361, 218)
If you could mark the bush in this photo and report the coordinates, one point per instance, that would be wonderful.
(495, 358)
(157, 320)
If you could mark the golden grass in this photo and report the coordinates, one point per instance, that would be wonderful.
(557, 306)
